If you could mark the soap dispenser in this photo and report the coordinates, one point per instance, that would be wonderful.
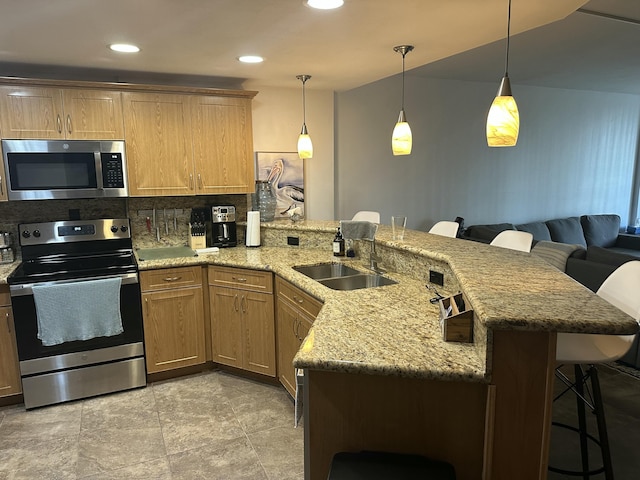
(338, 244)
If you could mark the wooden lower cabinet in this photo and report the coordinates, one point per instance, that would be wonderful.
(295, 313)
(9, 369)
(173, 312)
(242, 323)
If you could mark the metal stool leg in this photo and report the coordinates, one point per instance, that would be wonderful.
(602, 425)
(582, 420)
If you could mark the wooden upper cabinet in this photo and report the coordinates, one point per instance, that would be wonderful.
(222, 144)
(73, 114)
(93, 115)
(158, 137)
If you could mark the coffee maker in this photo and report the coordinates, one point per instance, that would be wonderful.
(223, 227)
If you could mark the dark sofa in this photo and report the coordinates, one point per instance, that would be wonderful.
(591, 247)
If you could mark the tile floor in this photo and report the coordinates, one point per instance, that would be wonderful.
(208, 426)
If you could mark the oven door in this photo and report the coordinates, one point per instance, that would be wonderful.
(26, 324)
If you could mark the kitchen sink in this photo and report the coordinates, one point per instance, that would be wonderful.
(326, 270)
(354, 282)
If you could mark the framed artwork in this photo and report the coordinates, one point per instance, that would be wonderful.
(285, 171)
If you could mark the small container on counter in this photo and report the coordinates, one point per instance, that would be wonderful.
(6, 255)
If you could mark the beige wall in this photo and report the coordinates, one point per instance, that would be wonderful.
(277, 119)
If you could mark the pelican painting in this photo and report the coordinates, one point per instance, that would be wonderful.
(285, 172)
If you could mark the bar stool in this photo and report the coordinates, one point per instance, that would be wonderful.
(514, 240)
(388, 466)
(445, 228)
(621, 290)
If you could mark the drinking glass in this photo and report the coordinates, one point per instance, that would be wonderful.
(398, 222)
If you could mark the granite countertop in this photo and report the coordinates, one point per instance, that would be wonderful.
(394, 329)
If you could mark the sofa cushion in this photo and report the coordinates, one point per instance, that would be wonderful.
(539, 230)
(486, 233)
(555, 253)
(608, 256)
(600, 230)
(566, 230)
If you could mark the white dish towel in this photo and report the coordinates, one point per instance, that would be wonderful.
(78, 310)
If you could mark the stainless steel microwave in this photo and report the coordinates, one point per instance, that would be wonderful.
(60, 169)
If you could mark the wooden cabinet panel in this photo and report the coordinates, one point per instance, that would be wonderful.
(259, 333)
(3, 186)
(39, 112)
(159, 149)
(93, 115)
(173, 314)
(31, 112)
(9, 370)
(242, 321)
(170, 278)
(226, 326)
(243, 278)
(223, 145)
(294, 320)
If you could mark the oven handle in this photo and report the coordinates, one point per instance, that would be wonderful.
(26, 289)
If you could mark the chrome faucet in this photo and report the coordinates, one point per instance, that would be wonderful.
(374, 258)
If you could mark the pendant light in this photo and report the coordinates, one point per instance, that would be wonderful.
(503, 120)
(305, 147)
(401, 139)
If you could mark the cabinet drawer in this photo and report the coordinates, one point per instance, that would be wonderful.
(297, 297)
(243, 278)
(167, 278)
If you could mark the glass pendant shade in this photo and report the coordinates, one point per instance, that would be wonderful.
(305, 147)
(401, 139)
(503, 120)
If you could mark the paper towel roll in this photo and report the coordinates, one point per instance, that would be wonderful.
(252, 237)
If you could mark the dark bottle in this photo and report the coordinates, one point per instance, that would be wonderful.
(338, 244)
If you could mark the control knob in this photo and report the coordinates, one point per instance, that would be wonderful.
(123, 228)
(36, 233)
(114, 229)
(26, 233)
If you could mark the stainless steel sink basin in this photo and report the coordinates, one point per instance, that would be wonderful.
(355, 282)
(326, 270)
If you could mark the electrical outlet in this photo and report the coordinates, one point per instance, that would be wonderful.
(436, 277)
(293, 241)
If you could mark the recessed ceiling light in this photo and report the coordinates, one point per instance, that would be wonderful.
(325, 4)
(251, 59)
(124, 48)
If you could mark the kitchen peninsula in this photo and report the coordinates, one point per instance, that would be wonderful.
(378, 374)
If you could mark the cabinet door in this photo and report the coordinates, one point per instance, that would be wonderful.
(93, 115)
(288, 344)
(259, 333)
(9, 370)
(174, 329)
(223, 145)
(159, 151)
(31, 112)
(226, 325)
(3, 186)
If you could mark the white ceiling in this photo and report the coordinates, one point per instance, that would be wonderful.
(198, 40)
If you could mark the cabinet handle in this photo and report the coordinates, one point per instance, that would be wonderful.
(200, 181)
(243, 304)
(59, 123)
(298, 330)
(298, 299)
(191, 181)
(171, 279)
(69, 123)
(235, 302)
(1, 186)
(239, 279)
(8, 322)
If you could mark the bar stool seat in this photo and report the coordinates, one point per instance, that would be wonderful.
(388, 466)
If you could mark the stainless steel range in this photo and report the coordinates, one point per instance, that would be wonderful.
(77, 311)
